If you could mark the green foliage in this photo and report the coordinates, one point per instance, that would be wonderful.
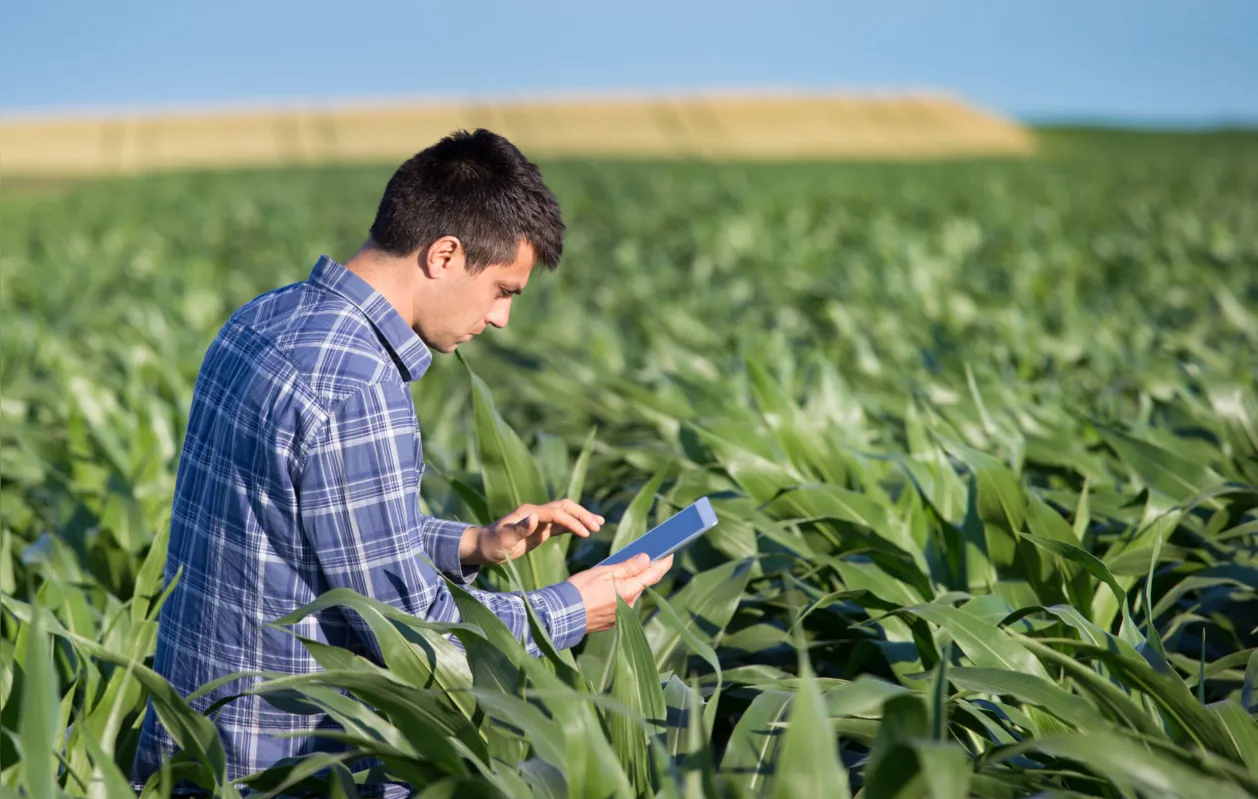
(982, 437)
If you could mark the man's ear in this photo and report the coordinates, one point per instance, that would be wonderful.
(443, 255)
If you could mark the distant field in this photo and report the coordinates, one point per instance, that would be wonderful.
(711, 128)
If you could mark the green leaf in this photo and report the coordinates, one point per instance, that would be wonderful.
(1249, 700)
(598, 659)
(680, 703)
(1132, 766)
(512, 479)
(511, 476)
(418, 715)
(40, 711)
(671, 620)
(1172, 696)
(545, 780)
(939, 695)
(494, 654)
(1000, 498)
(633, 524)
(705, 606)
(592, 767)
(400, 656)
(892, 763)
(1029, 688)
(460, 788)
(289, 777)
(427, 660)
(808, 762)
(8, 584)
(864, 696)
(753, 745)
(1161, 470)
(946, 768)
(986, 645)
(636, 685)
(1127, 631)
(906, 758)
(864, 575)
(755, 474)
(1242, 729)
(1113, 699)
(576, 483)
(191, 731)
(543, 734)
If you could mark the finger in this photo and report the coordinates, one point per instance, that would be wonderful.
(526, 526)
(630, 590)
(519, 513)
(591, 520)
(558, 513)
(536, 540)
(631, 567)
(657, 570)
(565, 520)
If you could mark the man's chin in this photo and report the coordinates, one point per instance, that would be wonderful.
(445, 347)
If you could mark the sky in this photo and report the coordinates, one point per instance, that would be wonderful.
(1150, 62)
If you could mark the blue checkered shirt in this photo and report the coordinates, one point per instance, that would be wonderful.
(300, 473)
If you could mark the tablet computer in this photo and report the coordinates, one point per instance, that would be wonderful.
(671, 534)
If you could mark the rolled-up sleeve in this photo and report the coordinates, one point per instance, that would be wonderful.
(358, 491)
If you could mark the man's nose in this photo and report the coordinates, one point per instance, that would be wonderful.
(499, 315)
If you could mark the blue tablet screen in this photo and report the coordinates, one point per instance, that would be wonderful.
(671, 534)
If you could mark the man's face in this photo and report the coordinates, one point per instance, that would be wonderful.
(456, 305)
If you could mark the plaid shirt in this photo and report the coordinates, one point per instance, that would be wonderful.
(300, 473)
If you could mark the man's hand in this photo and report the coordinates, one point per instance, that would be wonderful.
(523, 530)
(600, 585)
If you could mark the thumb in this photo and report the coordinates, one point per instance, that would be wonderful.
(632, 567)
(527, 525)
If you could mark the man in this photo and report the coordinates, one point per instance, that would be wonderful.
(300, 471)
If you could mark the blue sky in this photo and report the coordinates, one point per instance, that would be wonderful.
(1152, 62)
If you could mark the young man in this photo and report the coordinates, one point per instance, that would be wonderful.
(301, 467)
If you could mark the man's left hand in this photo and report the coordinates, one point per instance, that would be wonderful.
(523, 530)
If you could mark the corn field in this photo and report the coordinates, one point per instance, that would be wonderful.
(982, 438)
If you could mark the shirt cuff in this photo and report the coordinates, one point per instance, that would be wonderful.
(561, 604)
(443, 542)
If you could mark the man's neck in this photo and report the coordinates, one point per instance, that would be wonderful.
(387, 275)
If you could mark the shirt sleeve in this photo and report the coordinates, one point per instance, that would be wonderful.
(358, 498)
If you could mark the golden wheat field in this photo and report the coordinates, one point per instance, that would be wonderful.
(713, 127)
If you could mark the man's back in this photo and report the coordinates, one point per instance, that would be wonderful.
(269, 382)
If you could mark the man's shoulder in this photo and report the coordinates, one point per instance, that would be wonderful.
(325, 339)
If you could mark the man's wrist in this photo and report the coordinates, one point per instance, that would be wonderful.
(469, 547)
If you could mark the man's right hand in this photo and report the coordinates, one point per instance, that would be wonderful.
(600, 585)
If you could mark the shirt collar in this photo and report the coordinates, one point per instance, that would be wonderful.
(407, 348)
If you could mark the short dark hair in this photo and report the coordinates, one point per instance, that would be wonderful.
(477, 187)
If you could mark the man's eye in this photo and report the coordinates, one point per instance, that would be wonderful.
(503, 293)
